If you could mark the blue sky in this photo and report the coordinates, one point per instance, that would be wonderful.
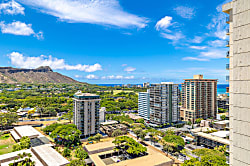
(116, 41)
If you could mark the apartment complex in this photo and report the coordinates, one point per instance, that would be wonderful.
(143, 105)
(239, 89)
(86, 113)
(199, 98)
(163, 100)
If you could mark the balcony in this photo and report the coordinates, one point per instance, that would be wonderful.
(227, 78)
(227, 66)
(228, 54)
(228, 44)
(227, 88)
(228, 32)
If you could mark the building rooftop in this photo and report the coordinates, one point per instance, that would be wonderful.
(222, 122)
(42, 155)
(214, 138)
(221, 134)
(81, 95)
(109, 123)
(49, 156)
(99, 146)
(21, 131)
(153, 158)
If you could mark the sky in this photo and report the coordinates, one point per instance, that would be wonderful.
(116, 41)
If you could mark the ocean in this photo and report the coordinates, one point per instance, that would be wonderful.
(221, 88)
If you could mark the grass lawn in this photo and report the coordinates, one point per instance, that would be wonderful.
(6, 144)
(5, 136)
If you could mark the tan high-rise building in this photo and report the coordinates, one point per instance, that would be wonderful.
(86, 113)
(239, 80)
(199, 98)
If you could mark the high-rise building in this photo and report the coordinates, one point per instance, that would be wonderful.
(143, 105)
(199, 98)
(146, 85)
(86, 113)
(164, 103)
(239, 80)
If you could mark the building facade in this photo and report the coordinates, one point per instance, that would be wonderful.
(164, 103)
(102, 114)
(143, 105)
(223, 102)
(199, 98)
(86, 113)
(239, 75)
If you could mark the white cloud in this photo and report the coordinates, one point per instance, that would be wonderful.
(174, 36)
(117, 77)
(167, 30)
(208, 55)
(214, 54)
(129, 69)
(103, 12)
(12, 8)
(19, 28)
(217, 43)
(218, 23)
(19, 60)
(123, 65)
(197, 39)
(194, 59)
(185, 12)
(164, 23)
(92, 77)
(78, 76)
(198, 47)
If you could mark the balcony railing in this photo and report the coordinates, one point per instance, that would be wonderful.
(227, 78)
(228, 54)
(227, 66)
(228, 44)
(228, 31)
(228, 20)
(227, 88)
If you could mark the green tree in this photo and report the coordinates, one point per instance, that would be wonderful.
(116, 133)
(66, 152)
(80, 153)
(207, 157)
(68, 116)
(78, 162)
(223, 117)
(23, 144)
(97, 137)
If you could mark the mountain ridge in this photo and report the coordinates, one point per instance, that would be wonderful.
(42, 74)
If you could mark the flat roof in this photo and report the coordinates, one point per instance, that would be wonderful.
(214, 138)
(221, 134)
(109, 122)
(50, 156)
(99, 146)
(153, 158)
(8, 158)
(222, 122)
(28, 131)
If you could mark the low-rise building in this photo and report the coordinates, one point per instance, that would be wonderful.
(102, 153)
(36, 138)
(109, 129)
(43, 155)
(211, 140)
(221, 125)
